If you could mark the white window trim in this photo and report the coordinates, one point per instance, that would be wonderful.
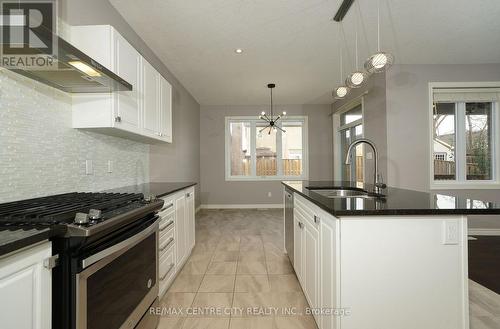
(337, 128)
(472, 184)
(253, 176)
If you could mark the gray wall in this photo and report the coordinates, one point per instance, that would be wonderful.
(181, 160)
(408, 126)
(374, 120)
(216, 190)
(408, 116)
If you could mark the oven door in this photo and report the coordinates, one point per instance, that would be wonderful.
(117, 286)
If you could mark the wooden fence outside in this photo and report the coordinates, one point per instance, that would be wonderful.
(267, 166)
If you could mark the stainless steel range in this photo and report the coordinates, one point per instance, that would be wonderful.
(107, 271)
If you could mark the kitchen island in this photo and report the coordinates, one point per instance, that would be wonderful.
(367, 261)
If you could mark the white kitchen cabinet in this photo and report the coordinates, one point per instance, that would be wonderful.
(143, 114)
(381, 270)
(151, 100)
(190, 218)
(329, 285)
(166, 131)
(177, 239)
(26, 289)
(298, 247)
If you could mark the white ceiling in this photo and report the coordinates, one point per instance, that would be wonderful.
(294, 43)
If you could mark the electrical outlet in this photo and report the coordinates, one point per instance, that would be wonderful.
(269, 195)
(89, 168)
(450, 232)
(110, 166)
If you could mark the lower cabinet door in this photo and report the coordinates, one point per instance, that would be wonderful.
(25, 289)
(298, 247)
(311, 264)
(329, 294)
(166, 269)
(181, 228)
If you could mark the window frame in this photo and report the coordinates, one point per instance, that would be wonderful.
(461, 181)
(253, 120)
(338, 128)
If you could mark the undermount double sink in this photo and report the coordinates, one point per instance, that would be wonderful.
(336, 193)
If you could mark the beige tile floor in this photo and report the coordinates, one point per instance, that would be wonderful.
(238, 263)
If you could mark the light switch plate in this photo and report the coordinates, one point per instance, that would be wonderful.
(110, 166)
(450, 232)
(369, 156)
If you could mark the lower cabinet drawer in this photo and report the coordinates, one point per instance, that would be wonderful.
(166, 225)
(166, 270)
(166, 243)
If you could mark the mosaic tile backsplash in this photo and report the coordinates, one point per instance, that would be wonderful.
(40, 154)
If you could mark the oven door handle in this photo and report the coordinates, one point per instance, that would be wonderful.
(124, 245)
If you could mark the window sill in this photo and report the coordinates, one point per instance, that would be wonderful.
(491, 185)
(264, 179)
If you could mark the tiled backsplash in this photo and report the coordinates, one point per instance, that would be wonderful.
(40, 154)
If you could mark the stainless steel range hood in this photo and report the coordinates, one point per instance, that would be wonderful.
(74, 71)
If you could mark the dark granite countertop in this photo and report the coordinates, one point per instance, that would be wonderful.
(157, 189)
(14, 238)
(396, 202)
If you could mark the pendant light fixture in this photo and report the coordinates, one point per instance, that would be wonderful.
(380, 61)
(341, 91)
(358, 77)
(270, 119)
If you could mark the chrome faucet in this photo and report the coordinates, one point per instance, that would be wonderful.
(378, 186)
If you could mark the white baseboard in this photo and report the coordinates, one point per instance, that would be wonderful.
(484, 231)
(242, 206)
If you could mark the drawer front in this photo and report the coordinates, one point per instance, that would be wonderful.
(166, 269)
(310, 213)
(167, 223)
(168, 207)
(166, 242)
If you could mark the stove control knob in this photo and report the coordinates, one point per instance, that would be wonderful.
(81, 218)
(95, 214)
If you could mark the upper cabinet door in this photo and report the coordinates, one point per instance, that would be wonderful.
(165, 110)
(151, 99)
(128, 66)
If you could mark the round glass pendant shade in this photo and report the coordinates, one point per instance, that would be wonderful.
(379, 62)
(356, 79)
(340, 92)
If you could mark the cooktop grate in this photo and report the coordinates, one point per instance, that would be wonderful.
(60, 209)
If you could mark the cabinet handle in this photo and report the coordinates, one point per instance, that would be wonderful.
(168, 271)
(170, 205)
(169, 242)
(166, 226)
(188, 195)
(118, 119)
(301, 225)
(316, 219)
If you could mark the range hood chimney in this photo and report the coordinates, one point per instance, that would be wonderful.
(73, 71)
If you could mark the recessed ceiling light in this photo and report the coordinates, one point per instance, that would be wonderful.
(238, 50)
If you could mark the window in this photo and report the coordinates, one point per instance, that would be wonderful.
(465, 131)
(349, 128)
(255, 153)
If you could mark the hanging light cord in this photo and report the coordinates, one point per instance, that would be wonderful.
(272, 117)
(378, 25)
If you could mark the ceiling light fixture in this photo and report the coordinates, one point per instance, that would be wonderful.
(341, 91)
(358, 77)
(270, 119)
(238, 50)
(380, 61)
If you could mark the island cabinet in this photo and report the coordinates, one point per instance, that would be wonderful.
(145, 112)
(382, 271)
(177, 239)
(25, 288)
